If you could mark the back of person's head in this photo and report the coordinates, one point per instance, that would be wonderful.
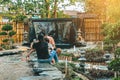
(46, 39)
(40, 37)
(42, 33)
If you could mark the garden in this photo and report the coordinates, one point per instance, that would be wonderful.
(97, 58)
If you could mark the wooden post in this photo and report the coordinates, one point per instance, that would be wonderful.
(66, 66)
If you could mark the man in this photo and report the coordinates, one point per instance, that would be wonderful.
(41, 48)
(51, 40)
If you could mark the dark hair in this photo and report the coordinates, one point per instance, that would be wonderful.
(40, 37)
(42, 33)
(46, 39)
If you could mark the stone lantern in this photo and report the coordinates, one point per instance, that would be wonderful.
(82, 60)
(25, 37)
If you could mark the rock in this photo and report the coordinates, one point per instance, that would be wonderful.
(55, 74)
(45, 70)
(9, 52)
(36, 78)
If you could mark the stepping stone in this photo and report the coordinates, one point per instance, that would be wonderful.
(56, 75)
(36, 78)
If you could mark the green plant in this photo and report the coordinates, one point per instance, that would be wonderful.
(20, 18)
(70, 71)
(115, 64)
(7, 30)
(117, 53)
(5, 40)
(108, 48)
(3, 33)
(116, 78)
(12, 33)
(66, 54)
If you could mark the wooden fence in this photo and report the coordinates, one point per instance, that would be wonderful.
(65, 57)
(90, 29)
(90, 26)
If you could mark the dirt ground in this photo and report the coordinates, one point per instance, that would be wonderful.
(12, 68)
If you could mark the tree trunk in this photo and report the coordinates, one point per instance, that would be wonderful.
(55, 9)
(47, 6)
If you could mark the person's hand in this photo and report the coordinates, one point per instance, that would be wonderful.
(26, 58)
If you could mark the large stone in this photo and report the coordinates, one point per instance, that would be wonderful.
(56, 75)
(47, 70)
(9, 52)
(36, 78)
(40, 67)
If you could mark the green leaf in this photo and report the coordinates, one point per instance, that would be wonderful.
(11, 33)
(5, 40)
(7, 27)
(3, 33)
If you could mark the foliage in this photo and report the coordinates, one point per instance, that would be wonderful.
(3, 33)
(4, 46)
(43, 8)
(117, 52)
(66, 54)
(115, 64)
(108, 48)
(75, 59)
(101, 73)
(111, 32)
(116, 78)
(11, 33)
(113, 10)
(70, 74)
(5, 40)
(20, 18)
(8, 31)
(97, 7)
(108, 10)
(95, 55)
(7, 27)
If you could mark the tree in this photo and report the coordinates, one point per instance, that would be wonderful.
(115, 65)
(97, 7)
(113, 10)
(43, 8)
(108, 10)
(111, 32)
(7, 30)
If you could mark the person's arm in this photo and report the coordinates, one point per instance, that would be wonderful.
(53, 42)
(32, 50)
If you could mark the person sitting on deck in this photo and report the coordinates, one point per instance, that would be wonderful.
(41, 48)
(53, 53)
